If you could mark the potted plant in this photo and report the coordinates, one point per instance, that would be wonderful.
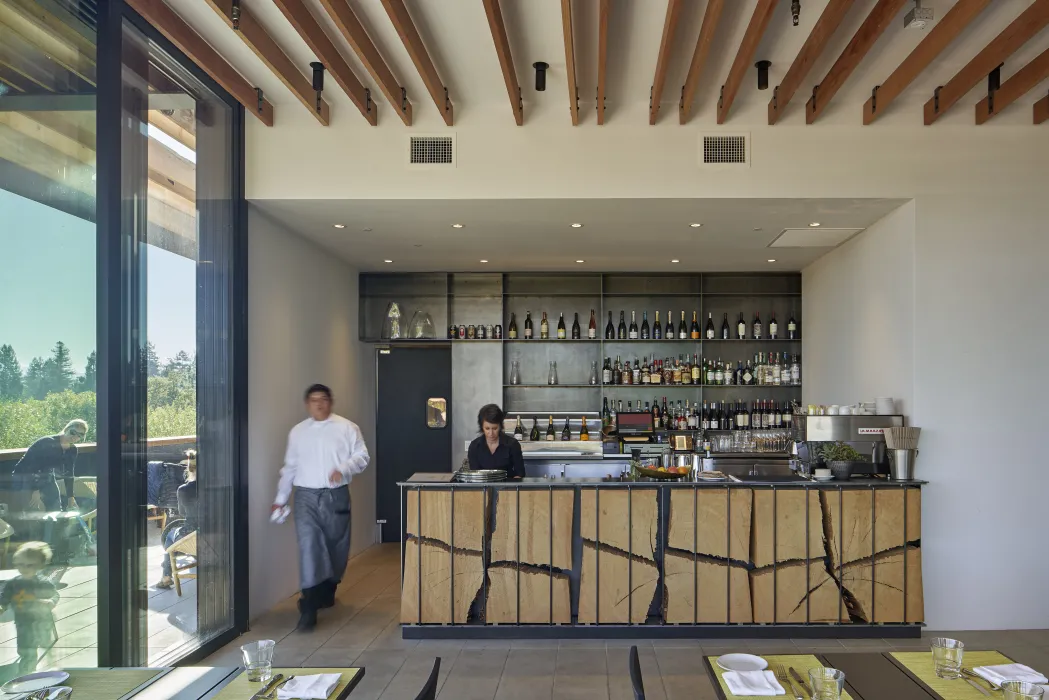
(841, 459)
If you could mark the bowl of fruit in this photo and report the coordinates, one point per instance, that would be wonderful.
(662, 473)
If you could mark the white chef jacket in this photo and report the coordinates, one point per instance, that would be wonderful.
(318, 448)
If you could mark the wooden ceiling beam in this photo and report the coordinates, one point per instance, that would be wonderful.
(170, 126)
(1041, 110)
(759, 21)
(812, 49)
(942, 34)
(699, 57)
(200, 52)
(255, 36)
(354, 33)
(573, 89)
(663, 59)
(1018, 85)
(506, 59)
(413, 44)
(603, 12)
(1019, 32)
(36, 32)
(299, 16)
(877, 21)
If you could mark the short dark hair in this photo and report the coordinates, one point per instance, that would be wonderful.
(316, 389)
(490, 413)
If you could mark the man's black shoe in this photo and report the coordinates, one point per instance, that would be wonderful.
(326, 595)
(307, 620)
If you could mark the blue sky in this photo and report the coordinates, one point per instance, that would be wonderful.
(47, 286)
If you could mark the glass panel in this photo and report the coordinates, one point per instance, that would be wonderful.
(436, 413)
(48, 473)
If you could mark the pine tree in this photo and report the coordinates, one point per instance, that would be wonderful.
(87, 381)
(59, 369)
(10, 374)
(35, 386)
(152, 361)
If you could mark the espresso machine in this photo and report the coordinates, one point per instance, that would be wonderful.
(636, 435)
(864, 433)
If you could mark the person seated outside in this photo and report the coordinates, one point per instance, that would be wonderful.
(33, 599)
(37, 472)
(187, 508)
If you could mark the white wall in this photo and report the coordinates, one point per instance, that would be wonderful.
(302, 328)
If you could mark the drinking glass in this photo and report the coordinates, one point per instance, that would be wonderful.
(947, 657)
(258, 660)
(515, 372)
(553, 373)
(1020, 690)
(827, 683)
(593, 373)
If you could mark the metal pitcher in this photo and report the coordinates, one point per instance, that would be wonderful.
(901, 464)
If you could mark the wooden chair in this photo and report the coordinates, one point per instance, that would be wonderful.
(429, 691)
(160, 515)
(186, 546)
(635, 675)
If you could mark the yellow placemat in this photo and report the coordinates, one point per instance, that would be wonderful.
(919, 663)
(799, 662)
(108, 683)
(242, 689)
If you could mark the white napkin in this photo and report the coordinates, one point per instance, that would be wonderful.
(1010, 672)
(753, 683)
(316, 687)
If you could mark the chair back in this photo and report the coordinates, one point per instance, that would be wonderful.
(635, 675)
(429, 691)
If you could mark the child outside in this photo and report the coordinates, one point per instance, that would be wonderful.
(33, 598)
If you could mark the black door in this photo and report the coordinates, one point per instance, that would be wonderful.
(413, 423)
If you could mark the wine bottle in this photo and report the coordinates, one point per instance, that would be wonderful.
(519, 430)
(682, 329)
(562, 332)
(693, 331)
(584, 434)
(544, 328)
(668, 331)
(534, 435)
(632, 333)
(724, 328)
(697, 377)
(606, 371)
(657, 330)
(566, 434)
(550, 430)
(741, 328)
(606, 415)
(792, 328)
(529, 332)
(646, 332)
(635, 374)
(773, 326)
(622, 325)
(512, 332)
(710, 326)
(591, 331)
(576, 331)
(757, 326)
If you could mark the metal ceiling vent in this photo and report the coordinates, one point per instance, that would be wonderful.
(719, 149)
(431, 151)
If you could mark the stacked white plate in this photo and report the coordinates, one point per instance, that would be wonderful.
(480, 476)
(885, 406)
(867, 408)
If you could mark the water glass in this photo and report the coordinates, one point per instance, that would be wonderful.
(947, 657)
(258, 660)
(1020, 690)
(827, 683)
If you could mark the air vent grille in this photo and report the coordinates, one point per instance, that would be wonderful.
(431, 150)
(724, 150)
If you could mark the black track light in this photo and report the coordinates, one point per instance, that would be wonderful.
(234, 15)
(795, 11)
(540, 75)
(318, 81)
(763, 74)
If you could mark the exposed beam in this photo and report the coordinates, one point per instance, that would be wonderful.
(299, 16)
(663, 59)
(573, 89)
(353, 31)
(190, 43)
(1018, 85)
(759, 21)
(879, 19)
(1041, 110)
(943, 33)
(1019, 32)
(603, 11)
(506, 59)
(812, 49)
(262, 44)
(173, 128)
(413, 44)
(699, 57)
(36, 32)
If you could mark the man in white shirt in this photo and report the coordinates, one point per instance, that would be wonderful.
(324, 452)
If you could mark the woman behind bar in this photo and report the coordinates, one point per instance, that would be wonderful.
(494, 449)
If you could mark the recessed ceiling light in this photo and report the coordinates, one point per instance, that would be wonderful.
(577, 226)
(758, 228)
(772, 259)
(484, 261)
(675, 261)
(339, 225)
(457, 225)
(387, 261)
(580, 261)
(695, 225)
(367, 230)
(814, 224)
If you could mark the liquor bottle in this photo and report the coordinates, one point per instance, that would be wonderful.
(668, 331)
(626, 375)
(748, 375)
(613, 416)
(686, 371)
(757, 326)
(792, 328)
(657, 330)
(646, 332)
(498, 331)
(636, 374)
(724, 327)
(656, 418)
(610, 330)
(704, 417)
(695, 371)
(737, 417)
(622, 325)
(606, 371)
(773, 326)
(562, 332)
(528, 325)
(710, 326)
(591, 331)
(676, 372)
(566, 433)
(738, 378)
(550, 430)
(666, 412)
(776, 371)
(646, 376)
(632, 333)
(710, 374)
(655, 372)
(682, 329)
(741, 328)
(512, 331)
(719, 373)
(668, 372)
(606, 415)
(693, 330)
(534, 435)
(615, 371)
(544, 328)
(795, 371)
(519, 430)
(576, 334)
(584, 434)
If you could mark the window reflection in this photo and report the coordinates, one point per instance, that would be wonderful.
(436, 413)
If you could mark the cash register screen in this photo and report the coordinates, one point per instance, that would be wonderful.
(634, 423)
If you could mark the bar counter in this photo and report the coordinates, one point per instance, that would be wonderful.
(563, 558)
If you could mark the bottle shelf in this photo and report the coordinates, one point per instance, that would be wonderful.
(754, 340)
(703, 386)
(661, 341)
(551, 386)
(552, 340)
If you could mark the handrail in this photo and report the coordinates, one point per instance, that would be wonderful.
(89, 447)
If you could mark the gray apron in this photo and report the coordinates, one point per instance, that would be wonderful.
(322, 527)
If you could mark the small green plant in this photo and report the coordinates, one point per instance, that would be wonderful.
(841, 452)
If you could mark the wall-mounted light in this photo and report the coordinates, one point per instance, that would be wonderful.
(234, 15)
(318, 81)
(540, 75)
(795, 11)
(763, 74)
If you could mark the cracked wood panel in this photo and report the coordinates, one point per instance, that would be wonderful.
(535, 596)
(535, 519)
(436, 580)
(612, 589)
(710, 535)
(884, 581)
(860, 537)
(787, 532)
(682, 577)
(622, 510)
(795, 598)
(471, 516)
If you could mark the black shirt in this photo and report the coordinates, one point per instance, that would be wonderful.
(187, 504)
(45, 460)
(507, 456)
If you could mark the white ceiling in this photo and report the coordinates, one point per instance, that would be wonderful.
(536, 234)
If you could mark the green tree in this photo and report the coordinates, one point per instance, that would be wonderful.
(35, 386)
(152, 361)
(181, 365)
(58, 370)
(87, 381)
(10, 374)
